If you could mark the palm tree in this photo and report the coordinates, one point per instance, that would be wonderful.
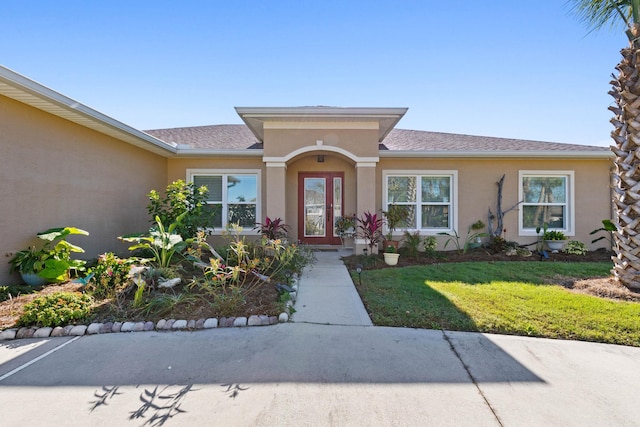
(626, 134)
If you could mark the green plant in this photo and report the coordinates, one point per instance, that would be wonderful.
(163, 304)
(430, 244)
(608, 227)
(390, 249)
(411, 242)
(110, 276)
(53, 261)
(162, 243)
(12, 291)
(575, 247)
(370, 228)
(473, 234)
(182, 198)
(273, 229)
(550, 234)
(227, 303)
(394, 216)
(345, 224)
(57, 309)
(554, 235)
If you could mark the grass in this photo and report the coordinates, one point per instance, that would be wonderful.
(499, 297)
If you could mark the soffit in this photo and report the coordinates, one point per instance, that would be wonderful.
(259, 118)
(26, 91)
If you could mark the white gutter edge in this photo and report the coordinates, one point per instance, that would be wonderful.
(499, 154)
(23, 83)
(209, 152)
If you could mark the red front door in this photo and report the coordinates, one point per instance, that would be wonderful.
(320, 202)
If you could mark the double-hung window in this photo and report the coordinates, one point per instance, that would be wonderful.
(233, 196)
(428, 197)
(546, 198)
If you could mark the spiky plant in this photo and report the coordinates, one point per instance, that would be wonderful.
(626, 134)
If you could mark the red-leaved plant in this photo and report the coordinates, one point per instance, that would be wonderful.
(273, 229)
(370, 228)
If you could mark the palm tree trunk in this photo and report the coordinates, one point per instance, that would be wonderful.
(626, 91)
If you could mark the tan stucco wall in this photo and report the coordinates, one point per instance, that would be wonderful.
(55, 173)
(477, 189)
(360, 142)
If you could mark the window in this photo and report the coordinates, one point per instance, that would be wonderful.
(232, 196)
(547, 197)
(427, 197)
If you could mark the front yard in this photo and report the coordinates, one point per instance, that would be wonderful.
(542, 299)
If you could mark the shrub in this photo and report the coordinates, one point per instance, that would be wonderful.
(183, 198)
(412, 243)
(430, 243)
(575, 247)
(273, 229)
(110, 276)
(57, 309)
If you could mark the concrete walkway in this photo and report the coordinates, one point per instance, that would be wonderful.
(327, 295)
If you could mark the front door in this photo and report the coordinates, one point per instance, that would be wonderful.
(320, 201)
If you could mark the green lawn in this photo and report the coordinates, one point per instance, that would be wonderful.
(499, 297)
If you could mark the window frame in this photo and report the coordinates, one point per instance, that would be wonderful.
(257, 173)
(419, 174)
(569, 175)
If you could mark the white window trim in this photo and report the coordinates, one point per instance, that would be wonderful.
(257, 172)
(419, 173)
(569, 230)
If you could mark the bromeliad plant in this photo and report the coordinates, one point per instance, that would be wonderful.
(53, 261)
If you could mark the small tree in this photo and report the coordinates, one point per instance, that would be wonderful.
(180, 198)
(498, 217)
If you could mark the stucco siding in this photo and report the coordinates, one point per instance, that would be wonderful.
(281, 142)
(477, 190)
(55, 173)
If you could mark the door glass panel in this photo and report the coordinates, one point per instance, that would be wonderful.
(314, 207)
(337, 202)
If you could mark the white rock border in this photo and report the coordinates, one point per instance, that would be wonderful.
(161, 325)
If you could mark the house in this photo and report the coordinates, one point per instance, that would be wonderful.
(63, 163)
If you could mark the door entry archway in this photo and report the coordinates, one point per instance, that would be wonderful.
(320, 202)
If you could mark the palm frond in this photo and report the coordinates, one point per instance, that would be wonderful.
(600, 13)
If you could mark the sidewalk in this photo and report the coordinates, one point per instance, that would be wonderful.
(326, 294)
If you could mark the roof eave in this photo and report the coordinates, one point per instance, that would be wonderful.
(254, 117)
(499, 154)
(210, 152)
(29, 92)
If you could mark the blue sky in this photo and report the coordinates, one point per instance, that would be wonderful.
(505, 68)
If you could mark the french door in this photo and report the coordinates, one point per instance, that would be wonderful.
(320, 203)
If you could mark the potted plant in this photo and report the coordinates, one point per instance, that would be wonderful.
(391, 255)
(345, 227)
(393, 217)
(52, 263)
(554, 239)
(474, 235)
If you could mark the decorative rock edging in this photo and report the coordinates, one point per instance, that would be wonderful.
(161, 325)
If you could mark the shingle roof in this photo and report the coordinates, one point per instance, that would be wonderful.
(418, 140)
(240, 137)
(231, 137)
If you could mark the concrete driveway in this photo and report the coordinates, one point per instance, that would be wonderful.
(299, 374)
